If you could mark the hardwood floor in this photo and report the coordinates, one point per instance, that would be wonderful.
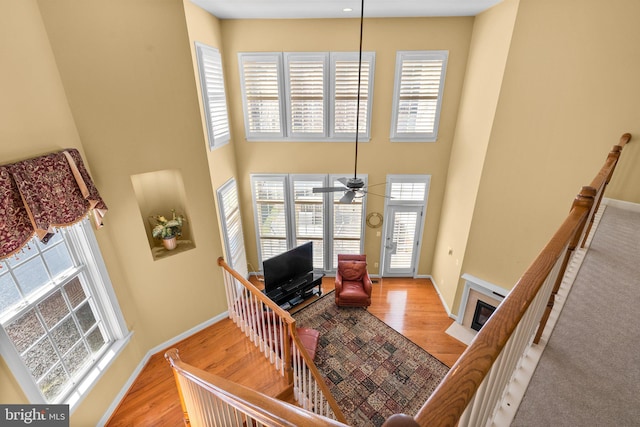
(410, 306)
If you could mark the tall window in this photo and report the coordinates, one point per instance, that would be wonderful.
(309, 215)
(303, 216)
(214, 99)
(270, 214)
(305, 96)
(417, 99)
(347, 225)
(61, 324)
(232, 227)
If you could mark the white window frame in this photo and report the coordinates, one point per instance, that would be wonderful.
(329, 200)
(214, 99)
(251, 64)
(233, 236)
(318, 62)
(279, 62)
(84, 249)
(428, 56)
(390, 202)
(281, 178)
(366, 93)
(331, 260)
(297, 239)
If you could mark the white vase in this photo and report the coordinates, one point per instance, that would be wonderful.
(170, 243)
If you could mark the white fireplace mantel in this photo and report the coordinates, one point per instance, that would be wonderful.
(481, 286)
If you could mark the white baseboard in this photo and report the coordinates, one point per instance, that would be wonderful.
(444, 304)
(151, 352)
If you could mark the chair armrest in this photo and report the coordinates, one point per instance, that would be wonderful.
(338, 282)
(367, 282)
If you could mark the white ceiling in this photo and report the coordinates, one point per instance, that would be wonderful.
(275, 9)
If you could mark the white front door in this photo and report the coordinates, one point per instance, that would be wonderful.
(401, 240)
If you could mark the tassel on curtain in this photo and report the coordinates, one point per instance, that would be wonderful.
(39, 194)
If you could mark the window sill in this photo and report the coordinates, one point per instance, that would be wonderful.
(92, 377)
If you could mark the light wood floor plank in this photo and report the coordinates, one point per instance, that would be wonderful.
(410, 306)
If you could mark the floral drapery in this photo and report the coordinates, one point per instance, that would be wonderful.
(39, 194)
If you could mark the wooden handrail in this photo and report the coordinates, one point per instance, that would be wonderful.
(292, 332)
(447, 403)
(602, 179)
(454, 394)
(257, 292)
(262, 408)
(316, 374)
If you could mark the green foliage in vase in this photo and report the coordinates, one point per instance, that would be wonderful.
(167, 228)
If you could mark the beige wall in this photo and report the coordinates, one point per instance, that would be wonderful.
(485, 68)
(378, 157)
(115, 79)
(34, 113)
(205, 28)
(568, 94)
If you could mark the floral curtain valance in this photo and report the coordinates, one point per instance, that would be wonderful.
(39, 194)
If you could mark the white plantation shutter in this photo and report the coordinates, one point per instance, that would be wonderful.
(404, 231)
(408, 191)
(271, 217)
(288, 214)
(213, 94)
(418, 92)
(261, 79)
(232, 227)
(306, 86)
(347, 225)
(305, 96)
(344, 73)
(309, 221)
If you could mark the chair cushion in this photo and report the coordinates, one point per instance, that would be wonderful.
(352, 270)
(309, 338)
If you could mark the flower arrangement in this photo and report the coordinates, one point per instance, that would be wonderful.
(168, 228)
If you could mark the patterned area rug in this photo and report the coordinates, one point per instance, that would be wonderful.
(372, 371)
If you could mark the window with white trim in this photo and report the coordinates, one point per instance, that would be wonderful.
(60, 321)
(347, 234)
(233, 236)
(214, 99)
(305, 96)
(288, 214)
(417, 98)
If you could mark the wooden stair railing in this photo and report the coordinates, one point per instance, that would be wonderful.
(470, 392)
(274, 331)
(209, 400)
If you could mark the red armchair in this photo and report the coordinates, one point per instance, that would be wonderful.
(353, 285)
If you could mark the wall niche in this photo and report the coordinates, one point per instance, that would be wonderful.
(158, 193)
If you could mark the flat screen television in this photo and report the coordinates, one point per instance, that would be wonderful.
(288, 266)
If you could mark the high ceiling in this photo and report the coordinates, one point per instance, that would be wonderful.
(276, 9)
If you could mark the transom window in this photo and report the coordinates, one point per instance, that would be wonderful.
(289, 214)
(417, 99)
(60, 321)
(306, 96)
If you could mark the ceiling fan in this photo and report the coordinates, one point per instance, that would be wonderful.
(353, 187)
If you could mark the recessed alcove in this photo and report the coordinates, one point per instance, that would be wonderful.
(157, 193)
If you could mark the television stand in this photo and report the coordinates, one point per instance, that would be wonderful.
(297, 291)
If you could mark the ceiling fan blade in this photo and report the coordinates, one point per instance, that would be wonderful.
(343, 180)
(327, 189)
(348, 196)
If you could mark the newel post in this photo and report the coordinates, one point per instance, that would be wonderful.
(584, 200)
(173, 357)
